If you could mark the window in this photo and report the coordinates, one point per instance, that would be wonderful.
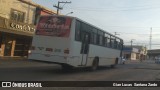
(97, 36)
(107, 40)
(100, 38)
(78, 31)
(86, 27)
(94, 36)
(112, 41)
(17, 15)
(121, 44)
(97, 39)
(118, 43)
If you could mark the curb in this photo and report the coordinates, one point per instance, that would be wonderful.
(13, 58)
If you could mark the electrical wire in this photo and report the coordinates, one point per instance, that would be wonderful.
(111, 10)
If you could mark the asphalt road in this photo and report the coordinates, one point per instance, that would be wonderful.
(23, 70)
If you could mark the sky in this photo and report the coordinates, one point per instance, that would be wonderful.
(131, 19)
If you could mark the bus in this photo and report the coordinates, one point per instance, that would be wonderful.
(72, 42)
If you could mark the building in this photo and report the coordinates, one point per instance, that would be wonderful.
(134, 52)
(17, 26)
(152, 54)
(142, 52)
(130, 53)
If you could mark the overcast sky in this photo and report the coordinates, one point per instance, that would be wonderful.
(132, 19)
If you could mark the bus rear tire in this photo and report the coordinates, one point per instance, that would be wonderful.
(116, 62)
(112, 66)
(94, 65)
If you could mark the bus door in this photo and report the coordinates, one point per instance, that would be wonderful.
(85, 47)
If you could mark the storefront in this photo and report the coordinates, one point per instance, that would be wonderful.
(15, 38)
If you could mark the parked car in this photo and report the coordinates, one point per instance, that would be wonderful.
(122, 60)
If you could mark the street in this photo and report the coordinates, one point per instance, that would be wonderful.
(23, 70)
(37, 71)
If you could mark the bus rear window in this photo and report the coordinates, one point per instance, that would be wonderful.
(54, 26)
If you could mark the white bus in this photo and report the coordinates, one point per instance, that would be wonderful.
(71, 42)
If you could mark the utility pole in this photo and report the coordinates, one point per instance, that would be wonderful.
(115, 33)
(150, 41)
(58, 6)
(131, 43)
(131, 48)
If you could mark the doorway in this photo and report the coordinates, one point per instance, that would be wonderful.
(85, 47)
(8, 47)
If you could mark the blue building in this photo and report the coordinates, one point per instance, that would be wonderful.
(130, 53)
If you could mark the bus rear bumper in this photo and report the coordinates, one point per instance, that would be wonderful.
(48, 58)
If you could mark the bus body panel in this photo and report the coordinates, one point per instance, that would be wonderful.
(107, 56)
(57, 46)
(75, 57)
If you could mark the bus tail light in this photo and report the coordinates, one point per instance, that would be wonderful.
(30, 50)
(66, 51)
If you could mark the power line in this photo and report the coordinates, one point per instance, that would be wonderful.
(111, 10)
(132, 33)
(130, 27)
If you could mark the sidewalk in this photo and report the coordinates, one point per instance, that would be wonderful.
(21, 62)
(143, 61)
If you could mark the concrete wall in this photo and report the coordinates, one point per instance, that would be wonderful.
(133, 56)
(6, 6)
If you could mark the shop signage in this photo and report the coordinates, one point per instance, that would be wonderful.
(22, 27)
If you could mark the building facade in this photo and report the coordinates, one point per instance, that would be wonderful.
(17, 26)
(153, 54)
(134, 52)
(130, 53)
(142, 52)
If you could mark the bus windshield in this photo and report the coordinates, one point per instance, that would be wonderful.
(54, 26)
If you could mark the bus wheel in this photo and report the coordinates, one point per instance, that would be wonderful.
(116, 62)
(94, 65)
(112, 66)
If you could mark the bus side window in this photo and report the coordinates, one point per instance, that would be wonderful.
(115, 44)
(109, 42)
(118, 44)
(112, 41)
(93, 38)
(100, 38)
(97, 39)
(94, 33)
(105, 41)
(121, 44)
(78, 31)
